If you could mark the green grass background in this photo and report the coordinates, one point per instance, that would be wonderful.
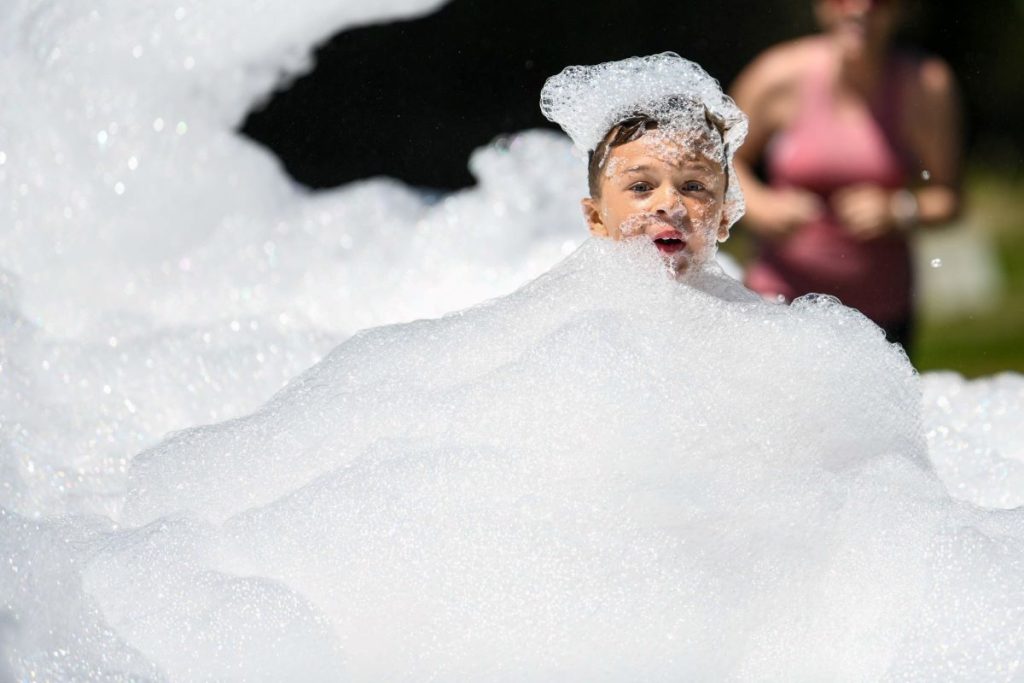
(990, 340)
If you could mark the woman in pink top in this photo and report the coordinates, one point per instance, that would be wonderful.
(860, 143)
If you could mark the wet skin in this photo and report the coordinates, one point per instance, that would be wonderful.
(660, 188)
(859, 27)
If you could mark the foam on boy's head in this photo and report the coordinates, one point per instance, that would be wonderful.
(589, 101)
(699, 136)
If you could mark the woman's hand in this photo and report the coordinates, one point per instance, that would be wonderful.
(781, 211)
(865, 210)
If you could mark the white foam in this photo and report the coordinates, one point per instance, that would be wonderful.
(527, 490)
(196, 292)
(976, 436)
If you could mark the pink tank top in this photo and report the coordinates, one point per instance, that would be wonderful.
(826, 149)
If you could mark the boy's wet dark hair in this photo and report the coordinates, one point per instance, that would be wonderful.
(633, 128)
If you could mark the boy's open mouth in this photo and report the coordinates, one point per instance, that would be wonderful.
(669, 242)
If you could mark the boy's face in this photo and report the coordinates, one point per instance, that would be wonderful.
(659, 188)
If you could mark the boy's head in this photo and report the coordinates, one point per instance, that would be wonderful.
(660, 135)
(664, 179)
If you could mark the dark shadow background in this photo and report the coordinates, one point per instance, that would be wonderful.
(412, 99)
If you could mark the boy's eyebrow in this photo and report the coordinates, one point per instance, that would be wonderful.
(689, 163)
(703, 165)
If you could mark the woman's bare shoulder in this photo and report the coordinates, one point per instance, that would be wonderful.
(935, 77)
(930, 78)
(779, 68)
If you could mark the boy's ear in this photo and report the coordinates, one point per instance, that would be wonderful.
(592, 213)
(723, 227)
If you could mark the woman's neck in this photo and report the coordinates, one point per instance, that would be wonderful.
(864, 71)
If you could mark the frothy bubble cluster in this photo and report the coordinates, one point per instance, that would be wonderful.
(587, 101)
(650, 479)
(975, 433)
(158, 271)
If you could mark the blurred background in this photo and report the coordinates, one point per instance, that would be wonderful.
(412, 99)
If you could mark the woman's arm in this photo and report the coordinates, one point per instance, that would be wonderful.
(932, 122)
(764, 90)
(935, 132)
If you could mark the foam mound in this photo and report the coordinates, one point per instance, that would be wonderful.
(159, 271)
(608, 474)
(975, 436)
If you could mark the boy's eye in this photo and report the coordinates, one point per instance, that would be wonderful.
(693, 186)
(640, 187)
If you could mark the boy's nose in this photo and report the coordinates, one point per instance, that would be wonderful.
(668, 202)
